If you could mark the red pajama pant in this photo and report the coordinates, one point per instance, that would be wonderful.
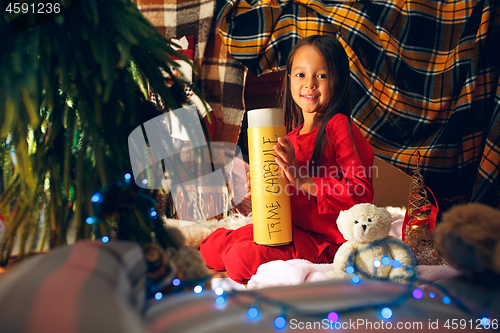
(235, 251)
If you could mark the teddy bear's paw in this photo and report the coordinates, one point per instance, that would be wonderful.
(403, 276)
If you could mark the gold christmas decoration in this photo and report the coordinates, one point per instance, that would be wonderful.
(420, 220)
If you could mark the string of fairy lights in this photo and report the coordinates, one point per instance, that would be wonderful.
(356, 273)
(98, 197)
(384, 308)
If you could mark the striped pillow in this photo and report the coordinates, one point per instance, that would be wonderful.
(86, 287)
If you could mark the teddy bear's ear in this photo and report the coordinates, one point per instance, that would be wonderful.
(340, 218)
(385, 213)
(344, 224)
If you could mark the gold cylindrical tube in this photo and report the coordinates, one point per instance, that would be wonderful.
(272, 221)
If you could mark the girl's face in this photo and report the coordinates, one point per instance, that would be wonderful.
(309, 80)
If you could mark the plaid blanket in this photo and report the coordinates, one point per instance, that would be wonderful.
(220, 77)
(425, 77)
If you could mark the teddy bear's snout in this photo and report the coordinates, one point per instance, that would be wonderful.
(364, 227)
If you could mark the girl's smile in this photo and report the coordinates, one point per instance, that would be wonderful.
(310, 97)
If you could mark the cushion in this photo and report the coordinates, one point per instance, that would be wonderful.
(86, 287)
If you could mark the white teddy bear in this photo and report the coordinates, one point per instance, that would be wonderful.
(369, 247)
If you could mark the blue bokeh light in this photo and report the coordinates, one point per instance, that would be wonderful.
(386, 312)
(253, 313)
(96, 197)
(280, 322)
(220, 301)
(485, 322)
(396, 263)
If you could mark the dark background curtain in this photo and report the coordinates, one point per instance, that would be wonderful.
(425, 77)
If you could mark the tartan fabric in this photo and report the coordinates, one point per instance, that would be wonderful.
(425, 76)
(220, 77)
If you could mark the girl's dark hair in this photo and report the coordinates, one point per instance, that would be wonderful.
(339, 85)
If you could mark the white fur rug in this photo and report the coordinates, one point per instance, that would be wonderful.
(295, 271)
(195, 232)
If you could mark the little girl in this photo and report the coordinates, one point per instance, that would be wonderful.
(325, 158)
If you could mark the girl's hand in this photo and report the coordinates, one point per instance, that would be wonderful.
(288, 163)
(248, 195)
